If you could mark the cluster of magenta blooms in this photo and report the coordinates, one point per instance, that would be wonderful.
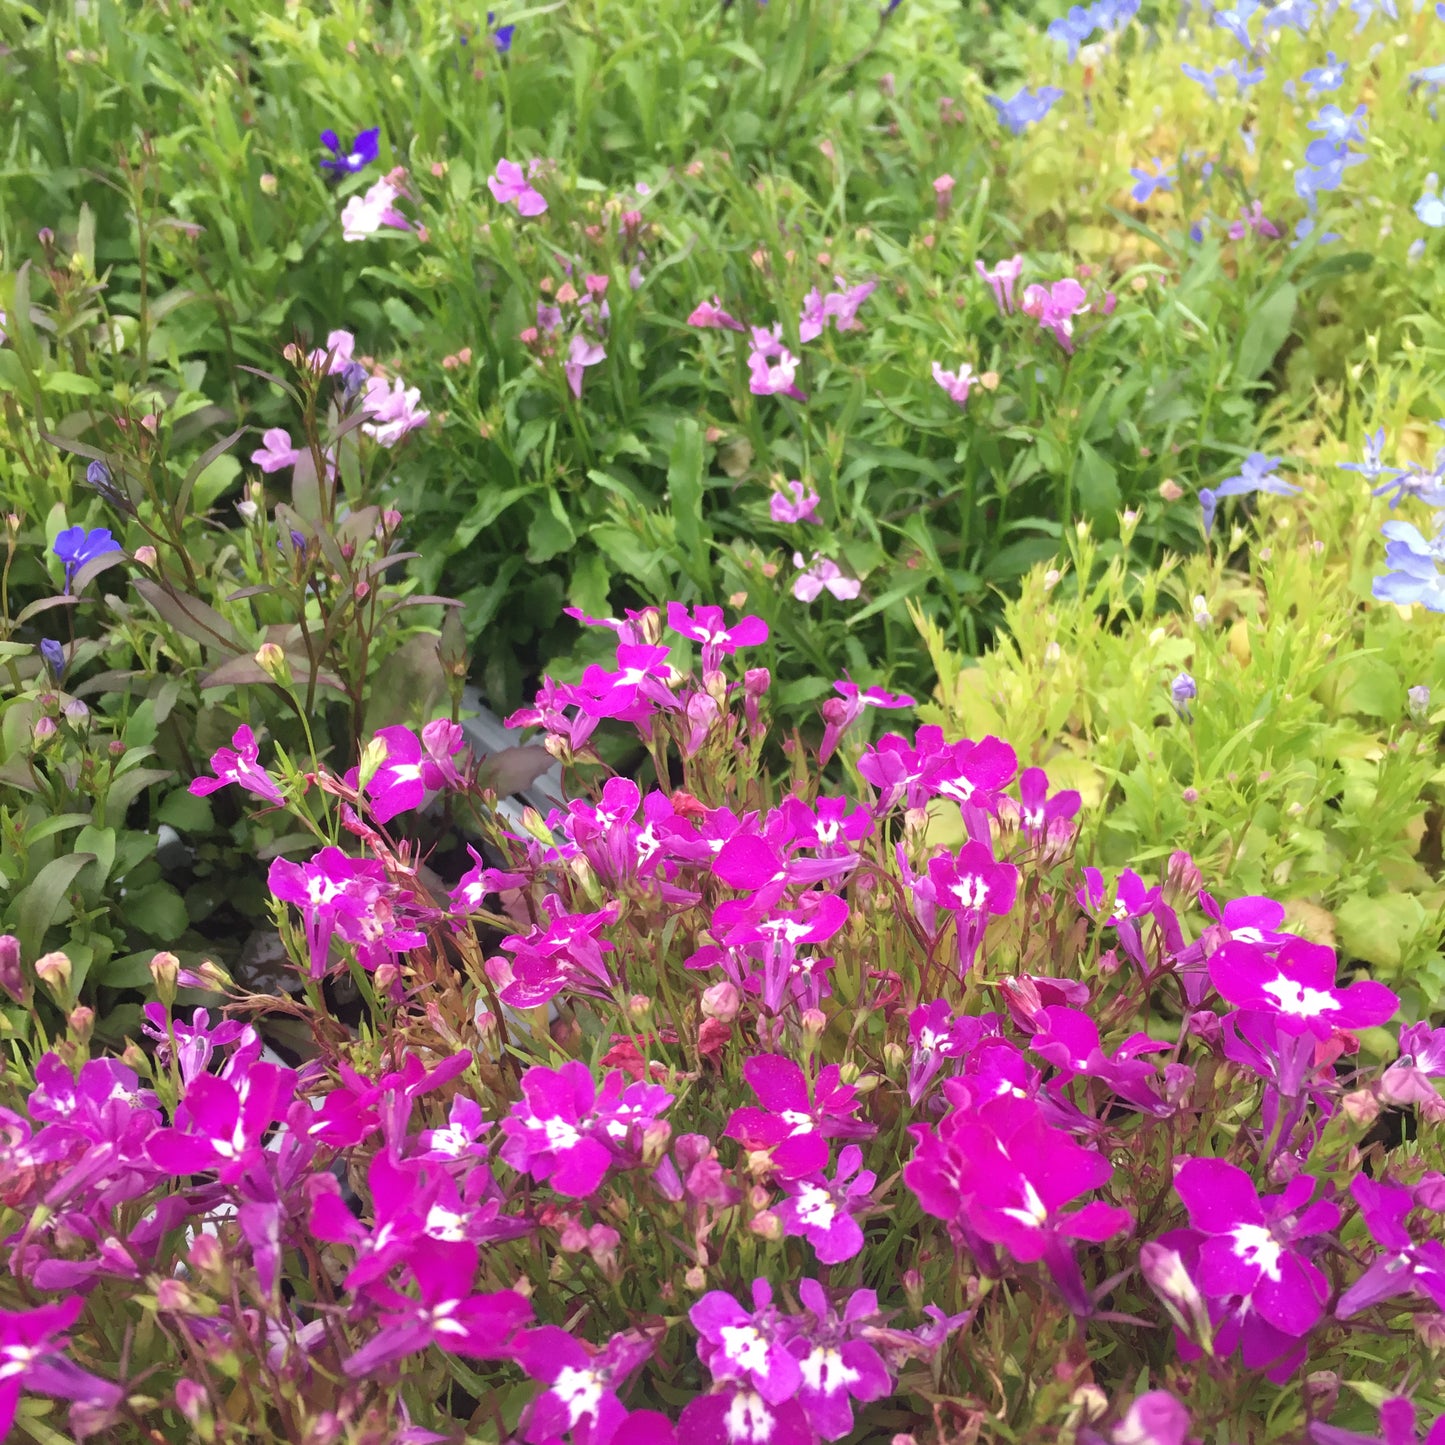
(1014, 1125)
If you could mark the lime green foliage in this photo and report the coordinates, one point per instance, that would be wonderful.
(1128, 104)
(1298, 771)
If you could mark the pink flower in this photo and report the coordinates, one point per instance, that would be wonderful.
(813, 318)
(511, 186)
(241, 767)
(795, 503)
(394, 410)
(337, 354)
(582, 352)
(772, 366)
(1297, 986)
(220, 1125)
(943, 192)
(275, 450)
(1054, 308)
(1252, 218)
(1155, 1418)
(843, 306)
(705, 625)
(709, 316)
(1001, 279)
(823, 574)
(956, 383)
(976, 887)
(840, 713)
(364, 216)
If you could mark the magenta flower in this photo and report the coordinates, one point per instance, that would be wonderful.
(1410, 1078)
(736, 1415)
(397, 786)
(31, 1358)
(1397, 1427)
(1255, 1248)
(976, 887)
(840, 713)
(1252, 218)
(582, 352)
(936, 1034)
(746, 1347)
(394, 410)
(338, 354)
(705, 625)
(564, 1131)
(1297, 986)
(1054, 308)
(1155, 1418)
(792, 1125)
(1038, 812)
(838, 1363)
(823, 574)
(795, 503)
(956, 383)
(822, 1211)
(640, 685)
(241, 767)
(710, 316)
(219, 1125)
(772, 366)
(445, 1314)
(510, 185)
(582, 1385)
(842, 306)
(813, 318)
(1405, 1267)
(1000, 1174)
(275, 451)
(1001, 281)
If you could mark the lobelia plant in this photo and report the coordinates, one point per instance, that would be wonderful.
(731, 1110)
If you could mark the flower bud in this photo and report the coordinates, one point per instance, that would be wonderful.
(766, 1225)
(814, 1022)
(721, 1001)
(53, 970)
(268, 184)
(146, 555)
(81, 1022)
(639, 1005)
(759, 1197)
(165, 969)
(1321, 1392)
(209, 976)
(175, 1297)
(1430, 1331)
(1418, 702)
(695, 1279)
(12, 974)
(272, 661)
(1360, 1107)
(43, 731)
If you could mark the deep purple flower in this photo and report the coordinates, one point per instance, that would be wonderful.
(76, 546)
(350, 159)
(501, 34)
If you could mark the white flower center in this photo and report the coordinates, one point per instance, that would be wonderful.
(815, 1207)
(580, 1391)
(825, 1373)
(749, 1420)
(1255, 1245)
(745, 1347)
(1300, 999)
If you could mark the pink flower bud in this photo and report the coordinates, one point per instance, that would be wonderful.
(721, 1001)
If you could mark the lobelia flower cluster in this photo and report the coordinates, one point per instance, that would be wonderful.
(733, 1107)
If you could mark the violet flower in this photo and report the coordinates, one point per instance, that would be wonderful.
(837, 1361)
(75, 546)
(31, 1358)
(773, 368)
(347, 160)
(1026, 108)
(393, 408)
(582, 1385)
(1054, 308)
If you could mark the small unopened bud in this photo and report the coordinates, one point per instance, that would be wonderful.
(209, 976)
(1430, 1331)
(268, 184)
(1360, 1107)
(639, 1005)
(814, 1022)
(1418, 702)
(386, 977)
(695, 1279)
(53, 970)
(373, 755)
(1052, 578)
(895, 1057)
(1321, 1393)
(82, 1023)
(272, 661)
(12, 974)
(165, 970)
(146, 556)
(175, 1297)
(766, 1225)
(43, 731)
(1091, 1402)
(721, 1001)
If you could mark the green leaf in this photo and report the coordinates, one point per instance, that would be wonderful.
(1378, 929)
(40, 902)
(1096, 484)
(1267, 330)
(550, 533)
(157, 911)
(67, 383)
(185, 813)
(684, 490)
(101, 842)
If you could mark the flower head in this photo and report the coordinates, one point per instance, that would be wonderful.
(76, 546)
(1026, 108)
(346, 160)
(510, 185)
